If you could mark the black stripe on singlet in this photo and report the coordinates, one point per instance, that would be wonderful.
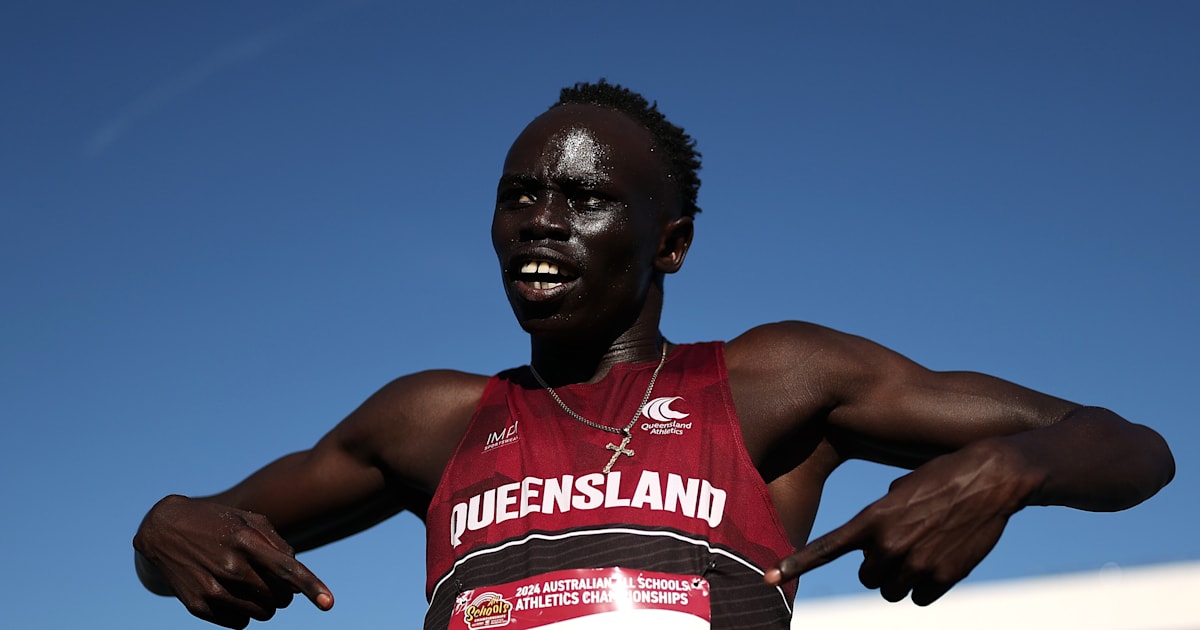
(740, 599)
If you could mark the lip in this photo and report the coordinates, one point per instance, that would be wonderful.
(531, 294)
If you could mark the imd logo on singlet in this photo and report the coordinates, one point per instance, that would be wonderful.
(504, 437)
(666, 419)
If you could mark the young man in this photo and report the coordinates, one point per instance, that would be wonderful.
(616, 453)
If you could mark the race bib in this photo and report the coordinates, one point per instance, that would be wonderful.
(587, 599)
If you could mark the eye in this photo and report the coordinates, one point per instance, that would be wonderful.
(590, 200)
(515, 198)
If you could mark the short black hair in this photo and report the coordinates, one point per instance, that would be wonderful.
(679, 149)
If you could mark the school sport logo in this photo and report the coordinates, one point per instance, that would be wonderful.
(488, 610)
(666, 420)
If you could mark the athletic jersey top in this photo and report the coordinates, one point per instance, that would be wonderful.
(524, 493)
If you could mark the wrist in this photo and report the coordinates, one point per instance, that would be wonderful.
(1012, 468)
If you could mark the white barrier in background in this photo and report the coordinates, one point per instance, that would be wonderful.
(1155, 597)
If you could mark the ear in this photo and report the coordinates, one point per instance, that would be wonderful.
(676, 239)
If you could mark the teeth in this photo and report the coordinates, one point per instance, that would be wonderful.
(546, 285)
(534, 266)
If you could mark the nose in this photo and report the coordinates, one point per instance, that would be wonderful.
(546, 219)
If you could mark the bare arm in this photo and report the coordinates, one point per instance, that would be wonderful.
(229, 557)
(982, 449)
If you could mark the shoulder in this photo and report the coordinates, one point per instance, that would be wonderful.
(795, 348)
(820, 365)
(786, 333)
(787, 378)
(412, 425)
(432, 393)
(782, 376)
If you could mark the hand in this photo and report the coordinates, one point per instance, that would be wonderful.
(929, 531)
(227, 566)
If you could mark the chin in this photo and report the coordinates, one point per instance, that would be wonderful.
(548, 328)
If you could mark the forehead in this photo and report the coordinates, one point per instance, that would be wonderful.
(586, 142)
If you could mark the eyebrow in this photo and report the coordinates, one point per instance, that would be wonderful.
(518, 179)
(529, 181)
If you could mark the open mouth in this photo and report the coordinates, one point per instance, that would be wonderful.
(543, 275)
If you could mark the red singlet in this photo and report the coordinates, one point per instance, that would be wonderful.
(524, 493)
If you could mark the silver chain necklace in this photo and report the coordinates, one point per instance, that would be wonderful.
(625, 433)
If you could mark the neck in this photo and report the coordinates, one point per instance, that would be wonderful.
(588, 359)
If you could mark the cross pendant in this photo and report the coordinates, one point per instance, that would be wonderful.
(619, 451)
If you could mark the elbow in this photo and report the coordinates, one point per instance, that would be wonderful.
(1164, 458)
(1114, 464)
(1153, 468)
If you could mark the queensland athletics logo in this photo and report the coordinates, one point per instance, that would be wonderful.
(666, 420)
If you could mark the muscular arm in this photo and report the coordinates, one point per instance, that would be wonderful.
(386, 456)
(230, 557)
(981, 449)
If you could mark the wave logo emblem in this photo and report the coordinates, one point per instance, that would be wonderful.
(668, 420)
(660, 409)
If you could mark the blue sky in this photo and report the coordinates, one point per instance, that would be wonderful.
(224, 224)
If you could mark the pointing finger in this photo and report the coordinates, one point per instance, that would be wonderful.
(303, 580)
(817, 553)
(285, 568)
(281, 562)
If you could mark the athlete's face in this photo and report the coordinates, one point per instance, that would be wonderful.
(581, 212)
